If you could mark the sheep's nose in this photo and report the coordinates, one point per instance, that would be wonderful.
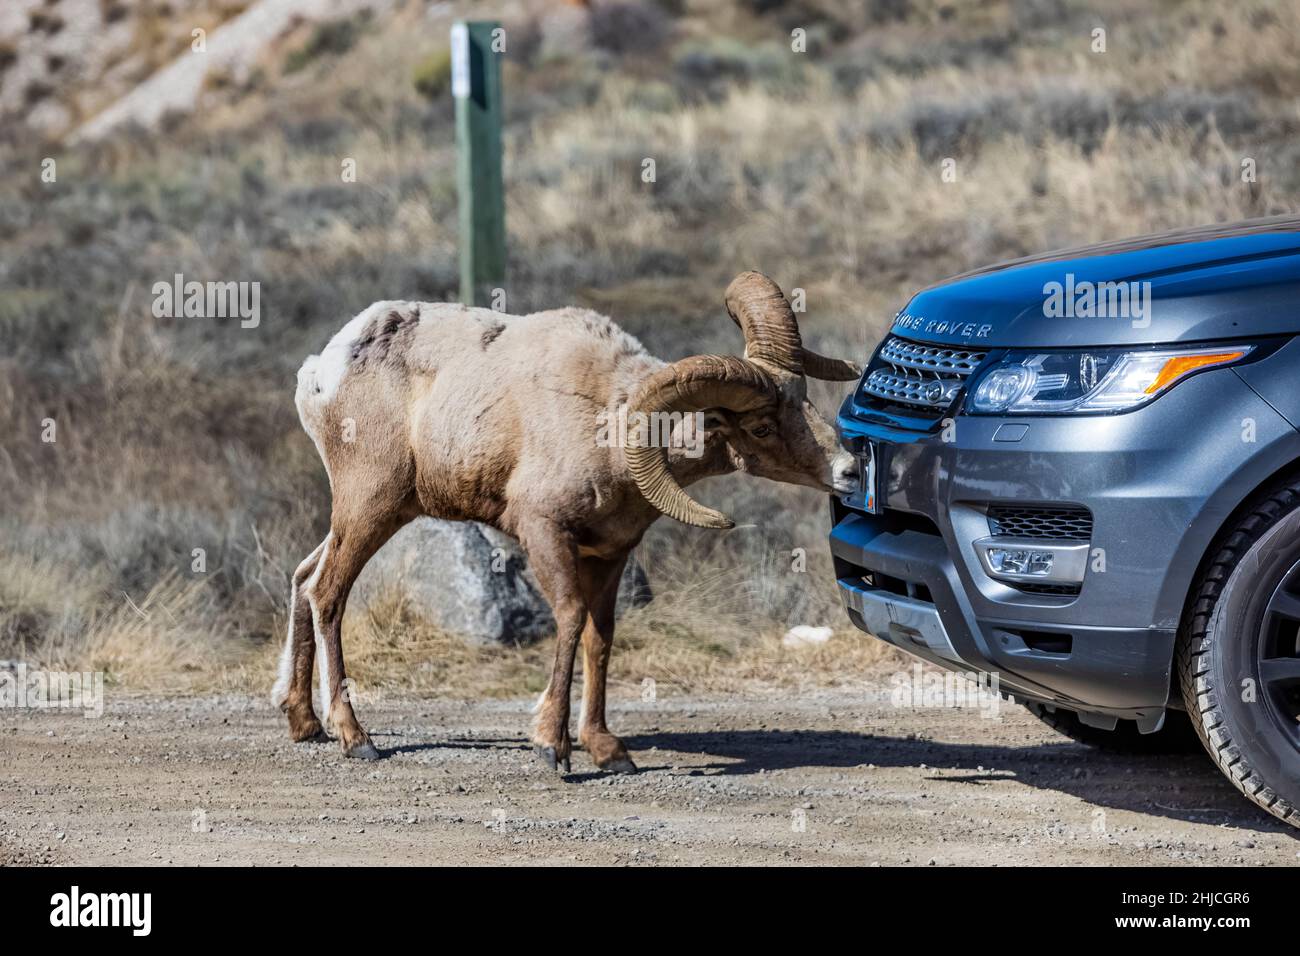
(845, 473)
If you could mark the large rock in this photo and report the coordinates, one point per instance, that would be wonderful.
(472, 581)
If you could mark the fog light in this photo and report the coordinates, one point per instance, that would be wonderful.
(1020, 561)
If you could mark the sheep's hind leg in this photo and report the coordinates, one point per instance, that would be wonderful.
(292, 691)
(349, 546)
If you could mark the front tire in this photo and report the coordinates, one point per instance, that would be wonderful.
(1239, 654)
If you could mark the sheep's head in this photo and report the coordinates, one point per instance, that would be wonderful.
(758, 403)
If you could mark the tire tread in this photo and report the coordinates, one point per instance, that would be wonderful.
(1194, 645)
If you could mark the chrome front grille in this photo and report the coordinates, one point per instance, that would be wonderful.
(924, 376)
(912, 390)
(930, 358)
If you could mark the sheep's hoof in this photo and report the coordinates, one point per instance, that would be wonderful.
(548, 757)
(620, 765)
(362, 751)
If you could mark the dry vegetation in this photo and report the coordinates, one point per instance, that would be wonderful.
(822, 169)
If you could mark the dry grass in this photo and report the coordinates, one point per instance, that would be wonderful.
(167, 640)
(823, 169)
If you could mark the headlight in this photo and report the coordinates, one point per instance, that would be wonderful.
(1099, 380)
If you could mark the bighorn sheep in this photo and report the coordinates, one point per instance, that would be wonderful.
(468, 414)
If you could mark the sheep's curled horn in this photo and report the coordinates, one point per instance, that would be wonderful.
(760, 308)
(773, 350)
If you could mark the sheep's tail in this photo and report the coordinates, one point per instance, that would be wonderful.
(308, 399)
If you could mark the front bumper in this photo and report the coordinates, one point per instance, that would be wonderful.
(1157, 482)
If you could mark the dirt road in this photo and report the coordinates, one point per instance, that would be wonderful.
(763, 778)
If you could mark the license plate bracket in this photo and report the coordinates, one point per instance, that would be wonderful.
(866, 497)
(869, 466)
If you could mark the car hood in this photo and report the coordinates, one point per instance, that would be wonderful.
(1218, 282)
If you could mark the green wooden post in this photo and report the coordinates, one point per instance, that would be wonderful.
(476, 86)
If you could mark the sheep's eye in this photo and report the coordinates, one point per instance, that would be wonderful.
(762, 431)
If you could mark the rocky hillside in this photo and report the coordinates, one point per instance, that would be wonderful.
(85, 67)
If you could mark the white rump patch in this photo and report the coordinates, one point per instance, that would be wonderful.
(321, 374)
(328, 368)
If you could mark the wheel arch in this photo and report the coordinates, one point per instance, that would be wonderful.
(1206, 536)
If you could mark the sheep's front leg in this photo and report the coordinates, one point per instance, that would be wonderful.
(607, 751)
(553, 558)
